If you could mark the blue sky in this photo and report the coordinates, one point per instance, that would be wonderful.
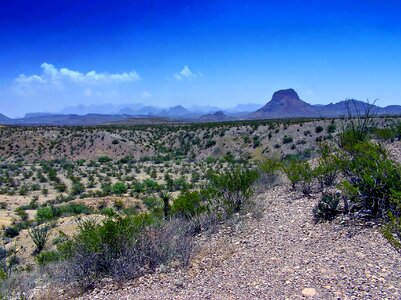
(66, 52)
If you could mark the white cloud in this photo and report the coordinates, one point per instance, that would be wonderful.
(22, 78)
(51, 75)
(186, 73)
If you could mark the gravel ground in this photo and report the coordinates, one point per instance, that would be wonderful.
(283, 255)
(394, 150)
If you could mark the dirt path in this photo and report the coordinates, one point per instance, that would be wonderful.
(284, 255)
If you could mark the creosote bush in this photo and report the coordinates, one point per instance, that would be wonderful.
(51, 212)
(271, 168)
(372, 179)
(232, 188)
(328, 167)
(189, 204)
(300, 175)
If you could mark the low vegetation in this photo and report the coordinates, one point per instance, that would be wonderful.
(123, 215)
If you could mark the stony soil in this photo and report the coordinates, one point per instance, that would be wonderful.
(283, 255)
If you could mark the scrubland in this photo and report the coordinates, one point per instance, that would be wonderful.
(247, 209)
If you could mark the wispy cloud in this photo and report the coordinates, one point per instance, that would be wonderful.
(186, 73)
(146, 95)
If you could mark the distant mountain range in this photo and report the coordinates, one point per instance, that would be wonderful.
(283, 104)
(217, 116)
(287, 104)
(4, 119)
(137, 109)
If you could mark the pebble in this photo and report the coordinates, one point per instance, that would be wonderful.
(309, 292)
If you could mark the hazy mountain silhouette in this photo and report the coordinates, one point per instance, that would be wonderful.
(216, 116)
(4, 119)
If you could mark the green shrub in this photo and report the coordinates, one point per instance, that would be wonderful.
(52, 175)
(256, 141)
(392, 230)
(371, 177)
(44, 214)
(61, 187)
(132, 210)
(108, 211)
(210, 160)
(3, 264)
(104, 159)
(48, 213)
(188, 204)
(327, 170)
(138, 187)
(152, 203)
(119, 188)
(106, 188)
(300, 174)
(233, 187)
(46, 257)
(11, 231)
(287, 139)
(210, 143)
(331, 128)
(271, 168)
(327, 207)
(373, 186)
(151, 185)
(397, 129)
(71, 209)
(110, 237)
(384, 133)
(180, 184)
(318, 129)
(24, 190)
(77, 188)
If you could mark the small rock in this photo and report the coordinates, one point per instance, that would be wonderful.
(179, 282)
(309, 292)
